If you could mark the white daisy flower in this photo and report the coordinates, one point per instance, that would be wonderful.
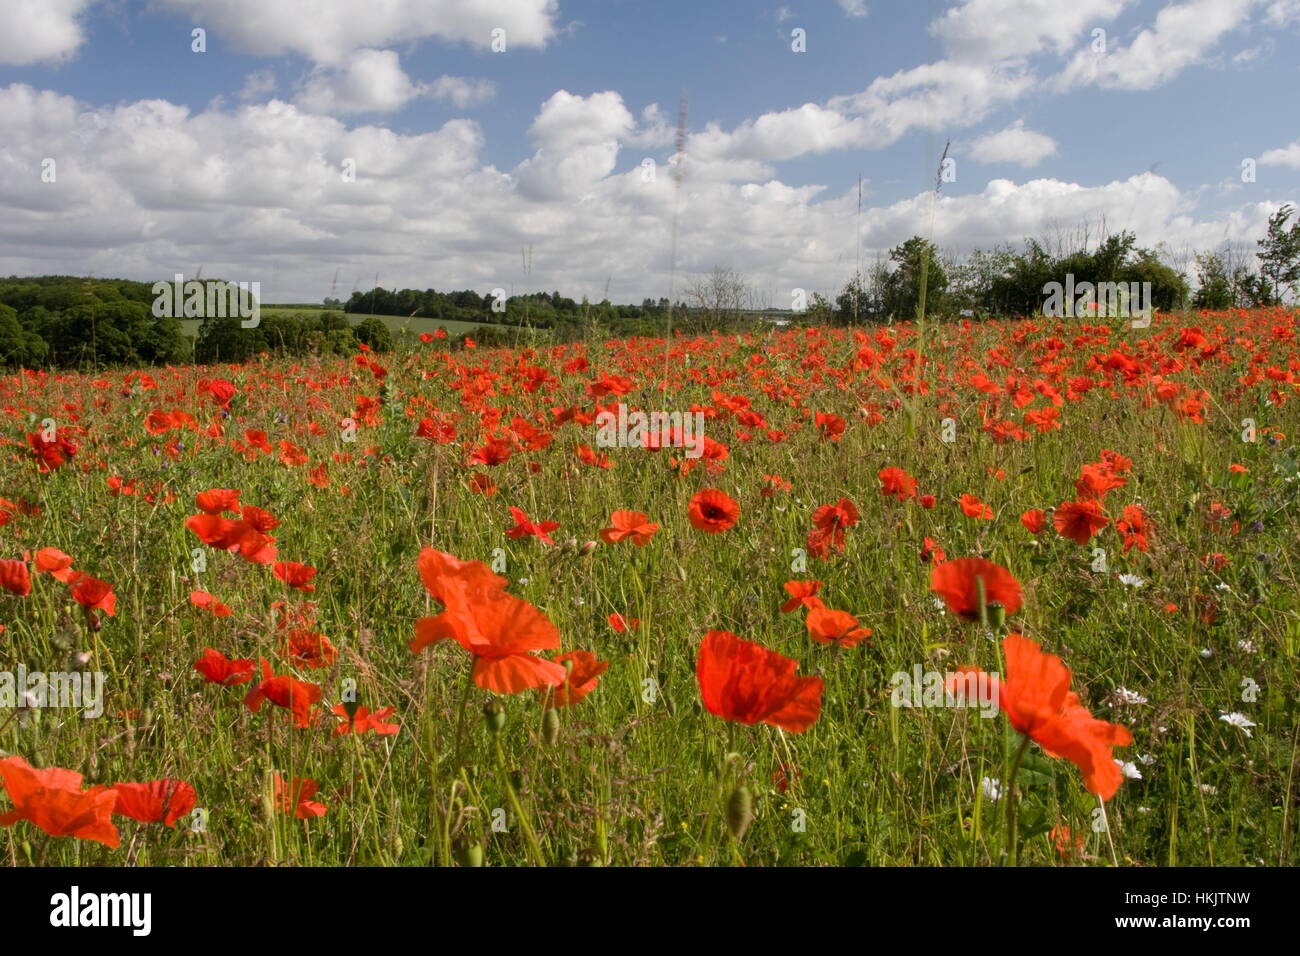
(1127, 696)
(992, 789)
(1130, 770)
(1238, 720)
(1131, 580)
(1246, 646)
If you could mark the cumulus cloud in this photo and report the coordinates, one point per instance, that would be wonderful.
(994, 30)
(36, 31)
(329, 32)
(1015, 144)
(853, 8)
(1183, 34)
(373, 81)
(257, 85)
(256, 193)
(1285, 156)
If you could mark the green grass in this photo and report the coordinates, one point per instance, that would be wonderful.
(641, 773)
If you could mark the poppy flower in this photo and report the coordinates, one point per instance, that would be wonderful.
(295, 575)
(802, 594)
(957, 582)
(583, 676)
(624, 624)
(217, 500)
(1036, 697)
(931, 552)
(362, 719)
(482, 484)
(743, 681)
(92, 593)
(14, 577)
(1135, 528)
(446, 577)
(1079, 520)
(826, 626)
(203, 599)
(285, 691)
(499, 630)
(55, 563)
(305, 648)
(712, 510)
(524, 527)
(53, 800)
(296, 797)
(629, 524)
(217, 669)
(896, 483)
(829, 525)
(1033, 520)
(972, 507)
(158, 801)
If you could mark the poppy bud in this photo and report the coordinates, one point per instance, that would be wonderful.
(997, 615)
(494, 715)
(468, 854)
(570, 545)
(550, 726)
(587, 548)
(740, 812)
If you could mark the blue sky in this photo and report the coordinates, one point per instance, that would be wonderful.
(169, 160)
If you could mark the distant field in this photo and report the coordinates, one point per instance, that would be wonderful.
(397, 324)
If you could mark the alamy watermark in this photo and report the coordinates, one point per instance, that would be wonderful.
(209, 299)
(38, 689)
(651, 430)
(923, 688)
(1107, 300)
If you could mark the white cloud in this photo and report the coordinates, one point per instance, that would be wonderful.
(150, 188)
(853, 8)
(372, 81)
(783, 14)
(1282, 12)
(257, 85)
(1015, 144)
(995, 30)
(463, 92)
(36, 31)
(329, 32)
(1285, 156)
(1183, 34)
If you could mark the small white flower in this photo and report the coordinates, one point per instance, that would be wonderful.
(1131, 580)
(1222, 586)
(938, 602)
(1238, 720)
(1206, 788)
(523, 581)
(1247, 646)
(1127, 696)
(1129, 770)
(992, 788)
(1206, 653)
(1144, 809)
(1146, 760)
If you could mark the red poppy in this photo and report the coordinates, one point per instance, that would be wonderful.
(972, 507)
(295, 575)
(217, 500)
(55, 563)
(713, 511)
(802, 594)
(583, 676)
(14, 577)
(217, 669)
(53, 800)
(206, 601)
(895, 482)
(296, 797)
(624, 624)
(361, 720)
(524, 527)
(826, 626)
(1033, 520)
(305, 648)
(158, 801)
(957, 582)
(499, 630)
(92, 593)
(629, 524)
(743, 681)
(1079, 520)
(1036, 698)
(1135, 528)
(285, 691)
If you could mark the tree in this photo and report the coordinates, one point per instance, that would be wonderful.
(915, 260)
(720, 297)
(18, 347)
(1215, 290)
(1279, 255)
(375, 333)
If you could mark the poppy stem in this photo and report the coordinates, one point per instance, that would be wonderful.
(534, 848)
(1013, 842)
(460, 717)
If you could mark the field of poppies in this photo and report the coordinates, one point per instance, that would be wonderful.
(955, 594)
